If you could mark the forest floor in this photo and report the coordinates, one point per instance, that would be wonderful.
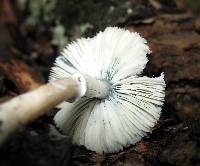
(173, 35)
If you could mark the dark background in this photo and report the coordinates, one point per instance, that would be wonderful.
(33, 31)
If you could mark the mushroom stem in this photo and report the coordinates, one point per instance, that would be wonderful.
(31, 105)
(97, 88)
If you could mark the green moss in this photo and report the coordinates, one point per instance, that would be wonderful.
(59, 37)
(41, 11)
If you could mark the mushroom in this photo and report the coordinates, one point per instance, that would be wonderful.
(112, 106)
(119, 106)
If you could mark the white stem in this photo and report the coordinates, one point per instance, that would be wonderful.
(97, 88)
(29, 106)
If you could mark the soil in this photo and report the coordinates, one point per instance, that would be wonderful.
(173, 34)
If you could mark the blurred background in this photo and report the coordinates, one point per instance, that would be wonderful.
(32, 33)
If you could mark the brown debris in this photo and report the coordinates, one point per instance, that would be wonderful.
(182, 151)
(6, 12)
(10, 34)
(156, 4)
(197, 24)
(173, 36)
(23, 77)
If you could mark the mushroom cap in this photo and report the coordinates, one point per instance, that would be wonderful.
(132, 105)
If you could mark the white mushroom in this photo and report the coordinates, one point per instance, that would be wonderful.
(119, 106)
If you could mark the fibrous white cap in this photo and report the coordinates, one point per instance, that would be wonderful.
(119, 107)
